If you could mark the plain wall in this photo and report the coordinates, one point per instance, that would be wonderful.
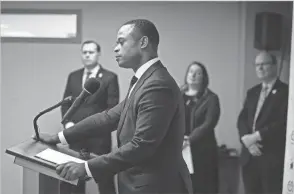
(34, 74)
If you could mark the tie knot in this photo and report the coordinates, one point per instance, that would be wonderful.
(88, 74)
(134, 80)
(265, 87)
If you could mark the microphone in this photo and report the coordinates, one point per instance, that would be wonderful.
(91, 86)
(64, 101)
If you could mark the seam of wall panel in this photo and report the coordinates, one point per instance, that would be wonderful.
(242, 52)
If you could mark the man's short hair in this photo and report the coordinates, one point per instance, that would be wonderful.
(98, 48)
(270, 55)
(274, 59)
(147, 28)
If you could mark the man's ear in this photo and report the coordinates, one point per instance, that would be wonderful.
(144, 42)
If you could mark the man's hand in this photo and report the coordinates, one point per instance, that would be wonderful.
(250, 139)
(71, 170)
(255, 149)
(85, 154)
(47, 138)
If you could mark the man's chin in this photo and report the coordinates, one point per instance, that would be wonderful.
(260, 76)
(122, 65)
(90, 66)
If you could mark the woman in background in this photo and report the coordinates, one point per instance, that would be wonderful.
(202, 115)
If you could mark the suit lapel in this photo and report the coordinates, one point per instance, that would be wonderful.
(140, 82)
(255, 98)
(267, 105)
(79, 83)
(201, 100)
(100, 73)
(196, 107)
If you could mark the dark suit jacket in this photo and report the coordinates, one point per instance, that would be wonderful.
(204, 116)
(105, 98)
(271, 122)
(150, 129)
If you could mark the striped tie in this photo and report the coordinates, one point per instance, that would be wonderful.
(87, 76)
(262, 96)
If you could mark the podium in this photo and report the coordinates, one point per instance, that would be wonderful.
(47, 180)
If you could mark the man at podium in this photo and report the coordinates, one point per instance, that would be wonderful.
(150, 123)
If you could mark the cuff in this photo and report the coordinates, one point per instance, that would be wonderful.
(68, 125)
(88, 170)
(258, 136)
(62, 138)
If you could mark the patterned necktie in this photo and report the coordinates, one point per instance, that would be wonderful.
(262, 96)
(87, 76)
(133, 81)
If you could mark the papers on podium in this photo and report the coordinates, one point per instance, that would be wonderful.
(187, 155)
(56, 157)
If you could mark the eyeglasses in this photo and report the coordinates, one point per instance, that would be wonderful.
(263, 64)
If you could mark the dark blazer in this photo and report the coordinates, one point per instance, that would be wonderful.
(105, 98)
(271, 122)
(203, 115)
(150, 129)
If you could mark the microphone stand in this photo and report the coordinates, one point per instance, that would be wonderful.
(64, 101)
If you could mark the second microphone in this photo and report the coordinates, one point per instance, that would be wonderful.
(91, 86)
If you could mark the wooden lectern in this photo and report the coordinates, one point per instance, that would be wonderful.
(48, 180)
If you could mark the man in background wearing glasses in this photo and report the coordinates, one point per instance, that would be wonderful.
(262, 128)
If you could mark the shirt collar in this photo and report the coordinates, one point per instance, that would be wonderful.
(93, 71)
(270, 84)
(144, 67)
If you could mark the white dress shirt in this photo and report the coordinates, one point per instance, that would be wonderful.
(93, 73)
(138, 74)
(142, 70)
(269, 85)
(261, 100)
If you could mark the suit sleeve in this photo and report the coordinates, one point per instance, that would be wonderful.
(155, 110)
(94, 125)
(113, 93)
(67, 92)
(211, 119)
(277, 128)
(242, 122)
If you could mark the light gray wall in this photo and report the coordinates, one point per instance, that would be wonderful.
(34, 75)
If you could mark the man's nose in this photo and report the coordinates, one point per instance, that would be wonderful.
(116, 49)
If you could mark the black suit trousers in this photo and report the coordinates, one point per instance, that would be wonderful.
(263, 176)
